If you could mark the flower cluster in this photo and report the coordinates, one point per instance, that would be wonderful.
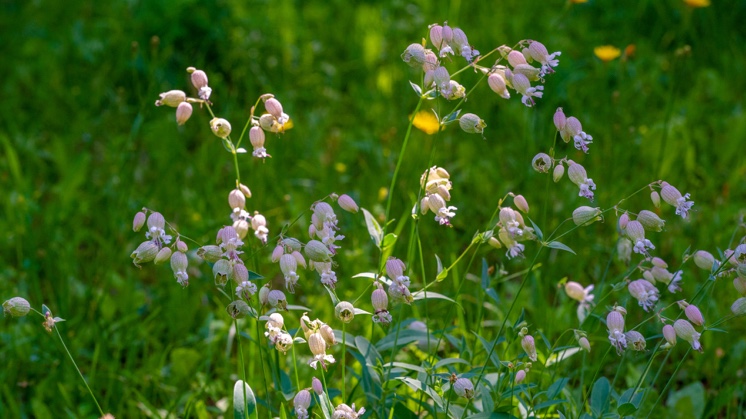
(437, 186)
(380, 301)
(320, 337)
(156, 248)
(287, 253)
(179, 100)
(571, 129)
(511, 229)
(582, 295)
(399, 287)
(323, 231)
(276, 334)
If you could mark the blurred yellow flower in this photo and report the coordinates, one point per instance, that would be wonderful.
(607, 53)
(426, 122)
(697, 3)
(578, 1)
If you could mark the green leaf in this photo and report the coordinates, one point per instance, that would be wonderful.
(374, 229)
(420, 386)
(557, 245)
(450, 117)
(600, 396)
(626, 409)
(439, 266)
(555, 389)
(405, 366)
(389, 240)
(417, 89)
(443, 362)
(422, 295)
(485, 274)
(537, 230)
(254, 275)
(324, 402)
(243, 407)
(487, 346)
(283, 413)
(560, 356)
(228, 146)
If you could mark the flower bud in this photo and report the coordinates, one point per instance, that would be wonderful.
(494, 242)
(171, 98)
(236, 199)
(199, 79)
(414, 55)
(181, 246)
(302, 400)
(575, 291)
(559, 119)
(436, 35)
(520, 376)
(16, 307)
(317, 387)
(220, 127)
(615, 321)
(463, 387)
(650, 220)
(379, 299)
(658, 262)
(245, 190)
(317, 344)
(264, 294)
(583, 342)
(623, 220)
(317, 251)
(669, 334)
(144, 253)
(222, 271)
(210, 253)
(471, 123)
(276, 298)
(241, 227)
(183, 112)
(162, 255)
(704, 260)
(635, 231)
(529, 346)
(520, 203)
(739, 307)
(542, 163)
(656, 198)
(694, 315)
(577, 173)
(531, 72)
(138, 221)
(240, 273)
(344, 311)
(347, 203)
(586, 215)
(559, 171)
(274, 107)
(328, 334)
(740, 285)
(515, 58)
(447, 33)
(497, 84)
(459, 38)
(670, 194)
(278, 252)
(238, 309)
(686, 331)
(179, 262)
(299, 259)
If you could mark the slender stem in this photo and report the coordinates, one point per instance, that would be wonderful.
(243, 368)
(344, 359)
(62, 341)
(671, 378)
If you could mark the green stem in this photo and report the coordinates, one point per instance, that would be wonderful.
(62, 341)
(243, 368)
(344, 358)
(671, 378)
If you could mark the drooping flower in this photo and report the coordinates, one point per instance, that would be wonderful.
(644, 292)
(463, 387)
(301, 402)
(523, 86)
(615, 325)
(539, 52)
(686, 331)
(578, 176)
(636, 232)
(673, 197)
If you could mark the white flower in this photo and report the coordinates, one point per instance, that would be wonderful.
(246, 289)
(644, 292)
(445, 214)
(318, 347)
(523, 86)
(539, 52)
(615, 325)
(346, 412)
(674, 286)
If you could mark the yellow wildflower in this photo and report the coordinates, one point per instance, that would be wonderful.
(607, 53)
(426, 122)
(697, 3)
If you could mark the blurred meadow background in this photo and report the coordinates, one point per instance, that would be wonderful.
(83, 148)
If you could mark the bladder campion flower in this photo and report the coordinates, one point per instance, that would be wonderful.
(578, 176)
(523, 86)
(636, 232)
(686, 331)
(346, 412)
(301, 402)
(615, 325)
(539, 53)
(644, 292)
(636, 340)
(463, 387)
(673, 197)
(16, 307)
(529, 347)
(472, 124)
(542, 163)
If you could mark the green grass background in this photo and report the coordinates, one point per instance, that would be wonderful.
(82, 148)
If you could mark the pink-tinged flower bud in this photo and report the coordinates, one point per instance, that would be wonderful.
(648, 276)
(156, 220)
(299, 259)
(443, 191)
(379, 299)
(240, 273)
(542, 163)
(575, 291)
(577, 173)
(222, 271)
(656, 198)
(436, 35)
(615, 321)
(162, 255)
(431, 63)
(447, 33)
(238, 309)
(494, 242)
(267, 122)
(670, 194)
(347, 203)
(317, 387)
(520, 376)
(471, 123)
(16, 307)
(559, 119)
(463, 387)
(179, 262)
(583, 342)
(183, 112)
(704, 260)
(328, 334)
(317, 344)
(199, 79)
(635, 230)
(558, 172)
(515, 58)
(650, 220)
(658, 262)
(138, 221)
(344, 311)
(181, 246)
(739, 307)
(236, 199)
(635, 340)
(694, 315)
(529, 346)
(586, 215)
(669, 334)
(245, 190)
(740, 285)
(459, 38)
(276, 298)
(686, 331)
(220, 127)
(171, 98)
(302, 401)
(394, 268)
(210, 253)
(497, 84)
(274, 107)
(317, 251)
(414, 55)
(520, 203)
(623, 220)
(144, 253)
(278, 252)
